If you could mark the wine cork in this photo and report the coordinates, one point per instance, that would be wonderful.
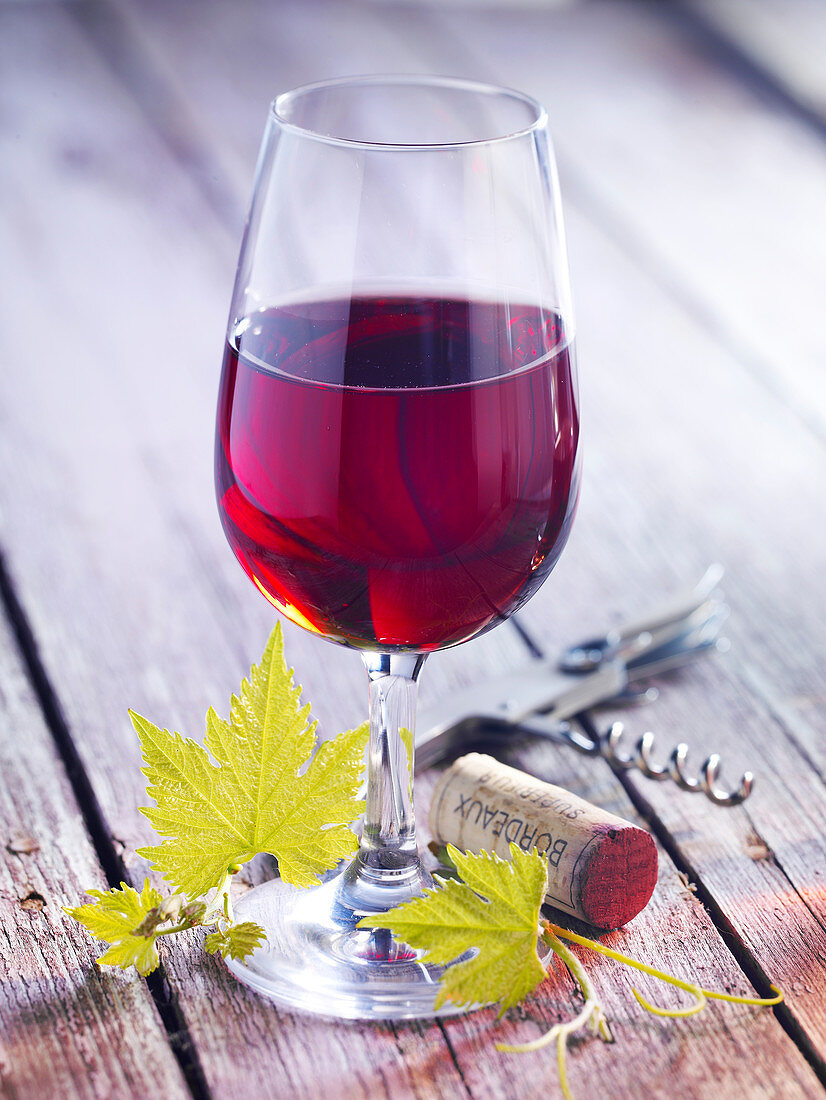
(601, 868)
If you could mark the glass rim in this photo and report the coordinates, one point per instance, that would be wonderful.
(480, 88)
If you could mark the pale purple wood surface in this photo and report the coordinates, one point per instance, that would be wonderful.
(694, 200)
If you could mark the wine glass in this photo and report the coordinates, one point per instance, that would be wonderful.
(397, 448)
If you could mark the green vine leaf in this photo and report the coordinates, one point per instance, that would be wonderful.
(254, 797)
(494, 910)
(127, 921)
(237, 941)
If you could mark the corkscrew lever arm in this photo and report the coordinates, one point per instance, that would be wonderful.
(539, 687)
(538, 698)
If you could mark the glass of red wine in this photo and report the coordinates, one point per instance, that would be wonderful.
(397, 458)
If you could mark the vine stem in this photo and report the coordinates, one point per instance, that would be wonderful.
(221, 905)
(182, 927)
(697, 991)
(219, 911)
(591, 1014)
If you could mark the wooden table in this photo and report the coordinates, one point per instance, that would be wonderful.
(691, 148)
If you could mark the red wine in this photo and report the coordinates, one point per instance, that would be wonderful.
(397, 473)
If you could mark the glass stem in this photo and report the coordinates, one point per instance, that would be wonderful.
(389, 835)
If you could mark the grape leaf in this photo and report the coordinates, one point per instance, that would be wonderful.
(502, 924)
(254, 800)
(115, 917)
(237, 941)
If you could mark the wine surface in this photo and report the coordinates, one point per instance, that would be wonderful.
(397, 473)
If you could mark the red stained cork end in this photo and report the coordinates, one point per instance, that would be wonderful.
(619, 877)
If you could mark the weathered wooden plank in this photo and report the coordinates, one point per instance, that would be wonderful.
(130, 649)
(726, 473)
(66, 1028)
(784, 672)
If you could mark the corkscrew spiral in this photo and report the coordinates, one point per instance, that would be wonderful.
(608, 744)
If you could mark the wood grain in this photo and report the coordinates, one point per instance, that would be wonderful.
(808, 471)
(67, 1028)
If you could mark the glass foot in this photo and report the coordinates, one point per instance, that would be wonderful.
(316, 960)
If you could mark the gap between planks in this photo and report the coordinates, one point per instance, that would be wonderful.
(184, 1052)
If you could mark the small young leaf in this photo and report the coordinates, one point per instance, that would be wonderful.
(138, 951)
(495, 910)
(255, 800)
(116, 916)
(237, 941)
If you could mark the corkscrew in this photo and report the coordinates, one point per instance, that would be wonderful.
(608, 745)
(542, 697)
